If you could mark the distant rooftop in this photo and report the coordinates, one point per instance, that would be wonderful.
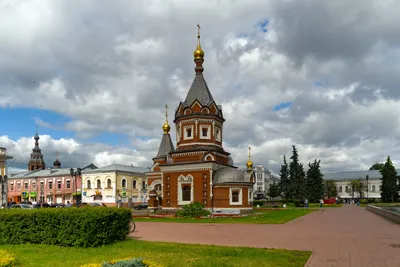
(351, 175)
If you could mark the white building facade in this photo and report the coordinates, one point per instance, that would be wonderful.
(263, 180)
(343, 180)
(3, 175)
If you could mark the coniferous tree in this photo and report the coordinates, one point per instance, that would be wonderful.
(297, 176)
(273, 190)
(389, 191)
(314, 182)
(284, 183)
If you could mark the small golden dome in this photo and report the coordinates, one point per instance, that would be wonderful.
(198, 53)
(166, 128)
(249, 163)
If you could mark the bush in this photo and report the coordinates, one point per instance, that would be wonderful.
(192, 210)
(79, 227)
(258, 202)
(298, 203)
(6, 259)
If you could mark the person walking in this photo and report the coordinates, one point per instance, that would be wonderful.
(321, 202)
(68, 204)
(306, 203)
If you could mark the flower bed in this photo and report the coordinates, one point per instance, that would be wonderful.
(128, 262)
(6, 259)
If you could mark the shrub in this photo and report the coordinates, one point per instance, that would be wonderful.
(6, 259)
(80, 227)
(192, 210)
(298, 203)
(258, 202)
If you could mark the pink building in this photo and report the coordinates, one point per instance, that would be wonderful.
(52, 186)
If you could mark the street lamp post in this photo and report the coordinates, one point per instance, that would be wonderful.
(74, 174)
(367, 177)
(3, 181)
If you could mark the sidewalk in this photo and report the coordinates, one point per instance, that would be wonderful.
(349, 236)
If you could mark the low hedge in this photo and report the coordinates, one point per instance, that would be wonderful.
(263, 202)
(78, 227)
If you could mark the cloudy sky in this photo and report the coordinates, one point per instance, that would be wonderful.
(95, 76)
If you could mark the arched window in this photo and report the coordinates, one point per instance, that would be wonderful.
(123, 183)
(88, 184)
(134, 184)
(186, 193)
(144, 184)
(157, 187)
(98, 184)
(109, 183)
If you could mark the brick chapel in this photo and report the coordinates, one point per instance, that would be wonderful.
(198, 169)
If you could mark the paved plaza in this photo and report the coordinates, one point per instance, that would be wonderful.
(349, 236)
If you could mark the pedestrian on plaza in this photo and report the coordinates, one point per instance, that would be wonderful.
(321, 202)
(306, 203)
(68, 204)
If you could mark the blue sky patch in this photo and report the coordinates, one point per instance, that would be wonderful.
(282, 105)
(262, 25)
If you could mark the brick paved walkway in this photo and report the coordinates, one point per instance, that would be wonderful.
(349, 236)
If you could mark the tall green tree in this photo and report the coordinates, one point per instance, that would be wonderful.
(377, 166)
(330, 188)
(357, 186)
(389, 178)
(314, 182)
(297, 176)
(284, 184)
(273, 190)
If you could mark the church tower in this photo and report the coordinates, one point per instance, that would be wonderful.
(198, 169)
(199, 120)
(36, 161)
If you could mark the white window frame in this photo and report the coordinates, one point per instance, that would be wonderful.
(251, 195)
(208, 127)
(185, 180)
(240, 196)
(185, 137)
(218, 134)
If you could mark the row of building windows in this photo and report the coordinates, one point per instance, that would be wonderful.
(50, 184)
(109, 185)
(347, 189)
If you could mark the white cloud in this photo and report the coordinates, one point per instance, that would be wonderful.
(113, 67)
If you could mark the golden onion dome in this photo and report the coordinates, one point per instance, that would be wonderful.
(249, 163)
(198, 53)
(166, 128)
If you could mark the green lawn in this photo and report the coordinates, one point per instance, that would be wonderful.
(167, 254)
(258, 216)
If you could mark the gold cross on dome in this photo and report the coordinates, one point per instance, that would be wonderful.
(249, 151)
(198, 30)
(166, 112)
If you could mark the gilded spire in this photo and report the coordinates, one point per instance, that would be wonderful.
(198, 53)
(166, 126)
(249, 163)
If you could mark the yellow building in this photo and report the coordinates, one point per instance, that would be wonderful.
(115, 183)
